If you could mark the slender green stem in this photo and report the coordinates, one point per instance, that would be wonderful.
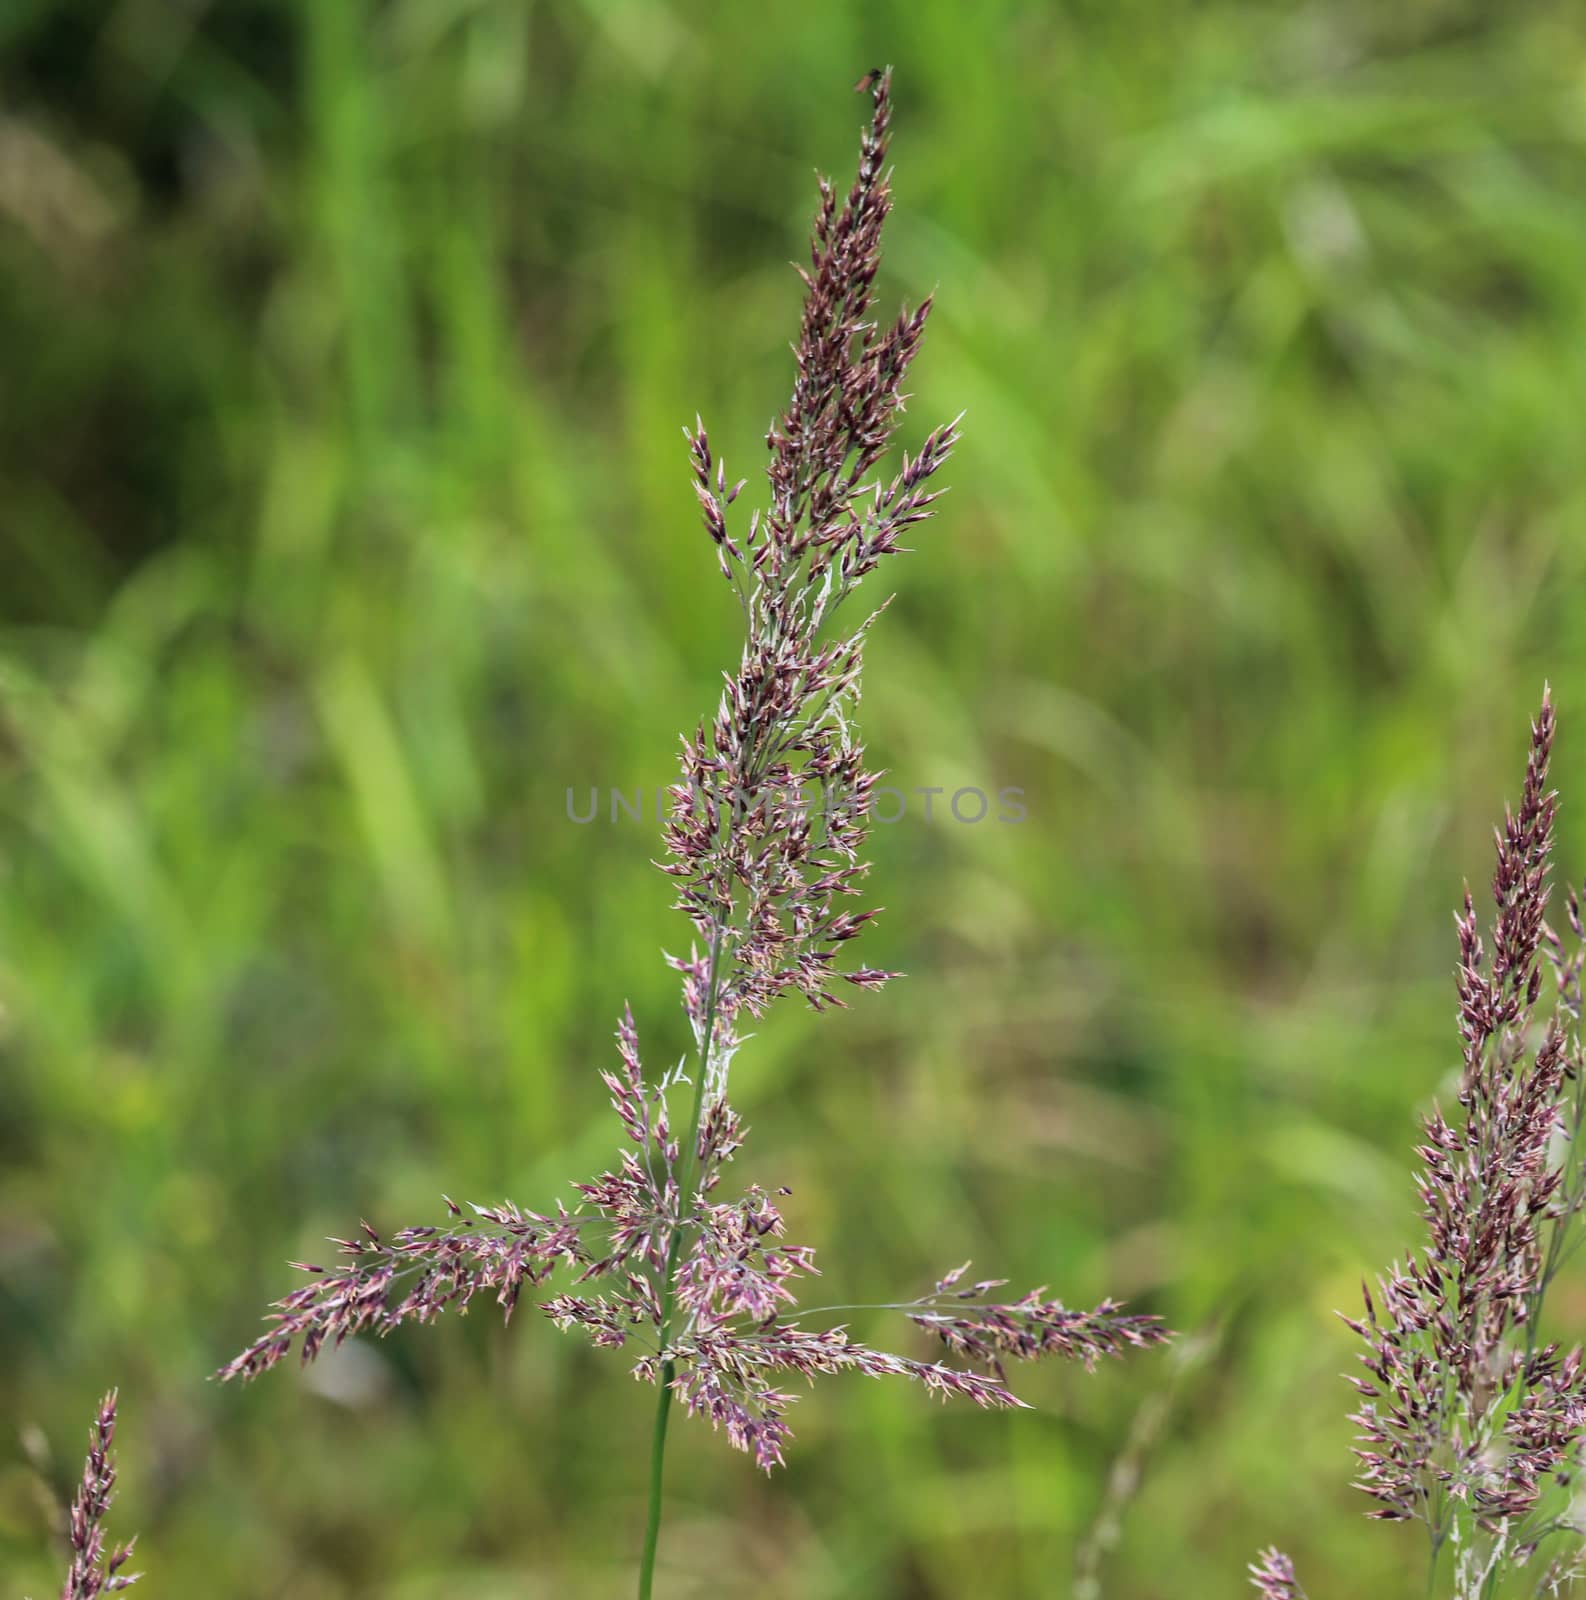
(652, 1526)
(688, 1175)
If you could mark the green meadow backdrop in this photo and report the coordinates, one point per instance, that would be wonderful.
(345, 523)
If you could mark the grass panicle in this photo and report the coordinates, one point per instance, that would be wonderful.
(96, 1569)
(1471, 1422)
(764, 839)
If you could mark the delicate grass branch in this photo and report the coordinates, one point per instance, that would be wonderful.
(704, 1288)
(1470, 1423)
(94, 1570)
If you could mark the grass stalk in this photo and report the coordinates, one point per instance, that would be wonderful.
(663, 1398)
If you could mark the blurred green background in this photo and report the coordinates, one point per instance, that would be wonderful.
(346, 523)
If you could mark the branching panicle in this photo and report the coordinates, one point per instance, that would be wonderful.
(1273, 1577)
(414, 1278)
(767, 823)
(1029, 1327)
(771, 810)
(93, 1570)
(1468, 1423)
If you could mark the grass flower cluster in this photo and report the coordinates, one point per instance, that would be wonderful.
(700, 1289)
(94, 1569)
(1471, 1422)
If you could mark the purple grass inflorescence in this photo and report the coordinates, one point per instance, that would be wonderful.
(93, 1571)
(701, 1288)
(1470, 1423)
(1273, 1575)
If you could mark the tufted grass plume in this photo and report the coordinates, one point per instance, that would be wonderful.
(658, 1257)
(96, 1569)
(1471, 1422)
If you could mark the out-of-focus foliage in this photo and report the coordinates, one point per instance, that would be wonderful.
(346, 523)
